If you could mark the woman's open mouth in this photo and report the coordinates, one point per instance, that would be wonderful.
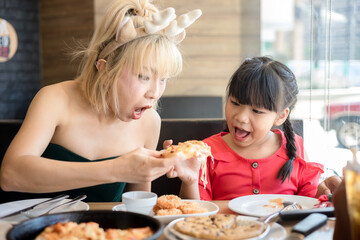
(138, 112)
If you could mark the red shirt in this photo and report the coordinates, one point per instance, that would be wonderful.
(232, 176)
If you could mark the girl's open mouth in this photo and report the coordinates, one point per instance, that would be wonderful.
(241, 134)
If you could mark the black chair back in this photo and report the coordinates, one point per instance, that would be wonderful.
(179, 130)
(190, 107)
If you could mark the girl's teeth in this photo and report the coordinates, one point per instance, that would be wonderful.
(138, 111)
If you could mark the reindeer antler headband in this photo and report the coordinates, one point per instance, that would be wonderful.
(162, 22)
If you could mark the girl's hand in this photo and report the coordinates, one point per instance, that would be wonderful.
(167, 143)
(328, 185)
(187, 170)
(143, 165)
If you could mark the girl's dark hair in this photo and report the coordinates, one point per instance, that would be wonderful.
(265, 83)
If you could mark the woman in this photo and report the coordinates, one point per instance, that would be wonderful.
(92, 134)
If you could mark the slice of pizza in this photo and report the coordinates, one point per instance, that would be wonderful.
(192, 149)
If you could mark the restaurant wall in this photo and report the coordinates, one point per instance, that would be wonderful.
(226, 33)
(20, 77)
(64, 26)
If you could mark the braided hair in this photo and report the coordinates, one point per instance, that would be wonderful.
(265, 83)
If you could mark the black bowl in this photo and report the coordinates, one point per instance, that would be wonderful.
(29, 229)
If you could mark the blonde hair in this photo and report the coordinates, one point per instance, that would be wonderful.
(155, 52)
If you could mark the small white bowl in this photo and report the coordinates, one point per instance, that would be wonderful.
(139, 201)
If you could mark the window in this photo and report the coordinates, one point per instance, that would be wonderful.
(320, 41)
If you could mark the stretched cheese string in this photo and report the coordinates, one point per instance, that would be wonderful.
(203, 156)
(201, 151)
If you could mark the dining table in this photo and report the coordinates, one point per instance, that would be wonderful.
(323, 233)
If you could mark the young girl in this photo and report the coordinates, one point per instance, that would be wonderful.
(253, 158)
(92, 134)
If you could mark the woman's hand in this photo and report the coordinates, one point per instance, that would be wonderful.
(143, 165)
(328, 185)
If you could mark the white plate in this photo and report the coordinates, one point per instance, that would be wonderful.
(274, 231)
(211, 207)
(7, 208)
(255, 205)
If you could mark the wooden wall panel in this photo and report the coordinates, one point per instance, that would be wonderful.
(63, 23)
(226, 33)
(250, 25)
(211, 49)
(215, 46)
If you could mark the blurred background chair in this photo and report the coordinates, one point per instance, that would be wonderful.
(190, 107)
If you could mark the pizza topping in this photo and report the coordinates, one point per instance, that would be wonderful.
(91, 231)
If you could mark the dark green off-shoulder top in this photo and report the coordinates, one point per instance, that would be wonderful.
(101, 193)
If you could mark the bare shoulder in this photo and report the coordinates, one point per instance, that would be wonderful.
(46, 112)
(58, 92)
(151, 123)
(151, 118)
(52, 99)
